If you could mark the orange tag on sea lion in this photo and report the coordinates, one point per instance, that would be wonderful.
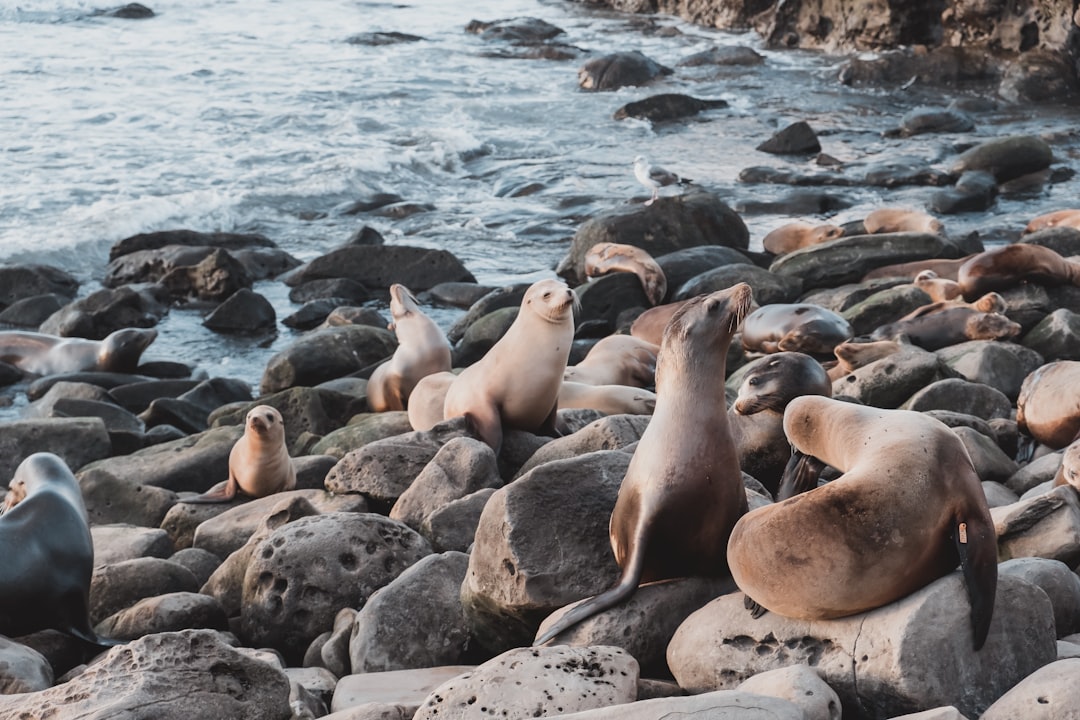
(963, 533)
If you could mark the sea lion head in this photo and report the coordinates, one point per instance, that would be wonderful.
(402, 304)
(120, 351)
(38, 470)
(700, 331)
(777, 379)
(991, 303)
(16, 493)
(826, 232)
(552, 300)
(265, 422)
(991, 326)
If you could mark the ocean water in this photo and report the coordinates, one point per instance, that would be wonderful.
(261, 116)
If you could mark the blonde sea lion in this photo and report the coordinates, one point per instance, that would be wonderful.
(422, 350)
(1069, 471)
(516, 383)
(616, 360)
(607, 257)
(43, 354)
(907, 509)
(945, 268)
(938, 288)
(794, 327)
(893, 220)
(1058, 218)
(427, 399)
(649, 325)
(48, 553)
(1048, 406)
(949, 326)
(989, 303)
(259, 462)
(608, 399)
(795, 235)
(683, 490)
(1009, 265)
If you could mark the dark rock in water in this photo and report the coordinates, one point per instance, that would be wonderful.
(326, 354)
(503, 297)
(796, 139)
(1040, 76)
(939, 66)
(243, 312)
(349, 315)
(262, 263)
(620, 69)
(458, 294)
(515, 30)
(797, 202)
(338, 288)
(901, 171)
(1065, 241)
(158, 240)
(215, 278)
(313, 313)
(375, 39)
(131, 11)
(366, 235)
(787, 176)
(666, 106)
(18, 282)
(1006, 158)
(32, 311)
(738, 55)
(669, 224)
(932, 120)
(380, 266)
(975, 191)
(400, 211)
(105, 311)
(768, 287)
(9, 374)
(374, 202)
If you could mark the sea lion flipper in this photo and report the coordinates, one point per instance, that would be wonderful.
(225, 494)
(800, 475)
(1025, 448)
(551, 426)
(486, 426)
(977, 547)
(756, 609)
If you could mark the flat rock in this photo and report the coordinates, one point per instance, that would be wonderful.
(395, 687)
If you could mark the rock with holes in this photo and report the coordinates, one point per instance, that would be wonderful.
(300, 576)
(910, 655)
(1050, 693)
(461, 467)
(536, 682)
(171, 611)
(167, 676)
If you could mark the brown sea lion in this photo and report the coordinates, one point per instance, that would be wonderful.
(608, 399)
(48, 553)
(259, 462)
(616, 360)
(683, 490)
(649, 325)
(1048, 406)
(950, 326)
(989, 303)
(945, 268)
(1058, 218)
(606, 257)
(893, 220)
(1004, 267)
(516, 383)
(850, 356)
(1069, 471)
(43, 354)
(906, 510)
(422, 350)
(794, 327)
(795, 235)
(938, 288)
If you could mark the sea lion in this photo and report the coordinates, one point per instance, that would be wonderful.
(649, 325)
(950, 326)
(794, 327)
(1048, 406)
(945, 268)
(422, 350)
(1058, 218)
(938, 288)
(606, 257)
(42, 354)
(757, 415)
(1069, 471)
(48, 553)
(655, 177)
(1009, 265)
(894, 220)
(259, 462)
(608, 399)
(616, 360)
(427, 399)
(683, 490)
(850, 355)
(991, 302)
(516, 383)
(795, 235)
(907, 508)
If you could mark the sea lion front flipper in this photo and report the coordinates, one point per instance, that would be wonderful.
(550, 426)
(756, 609)
(977, 547)
(487, 427)
(225, 494)
(800, 475)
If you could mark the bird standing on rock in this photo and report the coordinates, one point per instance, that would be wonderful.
(654, 177)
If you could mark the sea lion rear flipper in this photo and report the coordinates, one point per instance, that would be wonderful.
(977, 547)
(226, 494)
(800, 475)
(756, 609)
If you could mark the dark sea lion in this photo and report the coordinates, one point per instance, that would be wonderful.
(1004, 267)
(950, 326)
(1048, 406)
(616, 360)
(794, 327)
(795, 235)
(608, 257)
(906, 510)
(43, 354)
(259, 462)
(47, 551)
(683, 490)
(516, 383)
(851, 355)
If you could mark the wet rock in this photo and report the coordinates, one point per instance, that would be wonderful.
(895, 648)
(78, 441)
(378, 39)
(169, 612)
(380, 266)
(118, 542)
(336, 288)
(307, 570)
(22, 669)
(243, 312)
(104, 312)
(961, 396)
(1046, 526)
(215, 278)
(620, 69)
(1041, 75)
(975, 191)
(460, 467)
(795, 139)
(161, 239)
(1059, 583)
(313, 313)
(547, 681)
(939, 65)
(180, 675)
(933, 120)
(120, 585)
(605, 298)
(1049, 693)
(30, 312)
(515, 30)
(326, 354)
(998, 364)
(1056, 337)
(768, 287)
(19, 282)
(453, 526)
(665, 107)
(738, 55)
(1006, 158)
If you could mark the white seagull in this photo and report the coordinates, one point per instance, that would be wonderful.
(654, 177)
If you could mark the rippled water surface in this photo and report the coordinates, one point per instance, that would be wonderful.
(261, 116)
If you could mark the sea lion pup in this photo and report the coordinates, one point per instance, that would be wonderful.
(608, 399)
(1009, 265)
(945, 268)
(1048, 406)
(616, 360)
(794, 327)
(48, 553)
(606, 257)
(683, 490)
(950, 326)
(991, 302)
(907, 508)
(894, 220)
(851, 355)
(43, 354)
(516, 383)
(259, 462)
(1058, 218)
(938, 288)
(795, 235)
(422, 350)
(1069, 471)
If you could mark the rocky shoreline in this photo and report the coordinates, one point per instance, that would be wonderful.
(409, 571)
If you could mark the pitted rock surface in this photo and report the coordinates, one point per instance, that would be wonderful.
(460, 467)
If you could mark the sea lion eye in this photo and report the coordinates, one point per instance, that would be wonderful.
(547, 295)
(754, 381)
